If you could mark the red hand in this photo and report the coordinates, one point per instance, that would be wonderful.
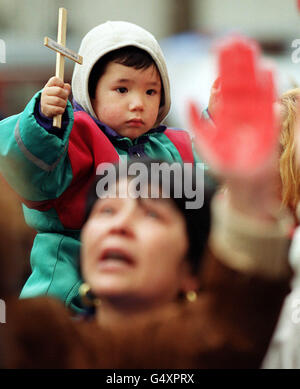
(245, 132)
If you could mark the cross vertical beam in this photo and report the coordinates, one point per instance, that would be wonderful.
(61, 52)
(60, 59)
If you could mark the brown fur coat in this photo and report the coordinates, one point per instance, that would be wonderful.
(229, 326)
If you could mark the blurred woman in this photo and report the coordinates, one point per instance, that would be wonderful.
(289, 104)
(284, 348)
(156, 305)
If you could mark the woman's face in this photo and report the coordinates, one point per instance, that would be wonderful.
(134, 250)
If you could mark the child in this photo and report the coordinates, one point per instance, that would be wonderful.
(121, 95)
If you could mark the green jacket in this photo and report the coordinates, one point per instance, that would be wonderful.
(47, 169)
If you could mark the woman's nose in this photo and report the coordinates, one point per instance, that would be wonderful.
(124, 223)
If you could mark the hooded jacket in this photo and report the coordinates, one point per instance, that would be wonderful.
(106, 38)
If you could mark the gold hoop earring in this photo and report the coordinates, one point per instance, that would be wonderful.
(87, 297)
(191, 296)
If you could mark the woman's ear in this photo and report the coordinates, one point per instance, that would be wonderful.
(189, 280)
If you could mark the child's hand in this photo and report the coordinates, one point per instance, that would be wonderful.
(54, 97)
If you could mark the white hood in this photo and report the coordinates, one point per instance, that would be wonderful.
(108, 37)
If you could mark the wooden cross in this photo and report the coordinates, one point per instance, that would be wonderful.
(62, 52)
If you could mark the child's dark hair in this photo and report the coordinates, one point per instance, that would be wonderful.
(197, 220)
(130, 56)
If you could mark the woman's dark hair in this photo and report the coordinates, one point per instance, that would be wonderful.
(130, 56)
(197, 220)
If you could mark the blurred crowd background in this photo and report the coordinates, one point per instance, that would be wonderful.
(186, 29)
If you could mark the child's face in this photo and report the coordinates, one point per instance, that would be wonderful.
(128, 99)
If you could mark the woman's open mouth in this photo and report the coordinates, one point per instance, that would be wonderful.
(115, 259)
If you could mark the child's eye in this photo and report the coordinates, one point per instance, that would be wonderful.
(122, 90)
(151, 92)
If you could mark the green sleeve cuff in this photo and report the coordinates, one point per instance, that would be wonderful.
(43, 149)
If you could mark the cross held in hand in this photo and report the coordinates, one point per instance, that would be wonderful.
(62, 52)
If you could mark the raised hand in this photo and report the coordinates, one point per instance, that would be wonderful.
(214, 98)
(54, 97)
(245, 132)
